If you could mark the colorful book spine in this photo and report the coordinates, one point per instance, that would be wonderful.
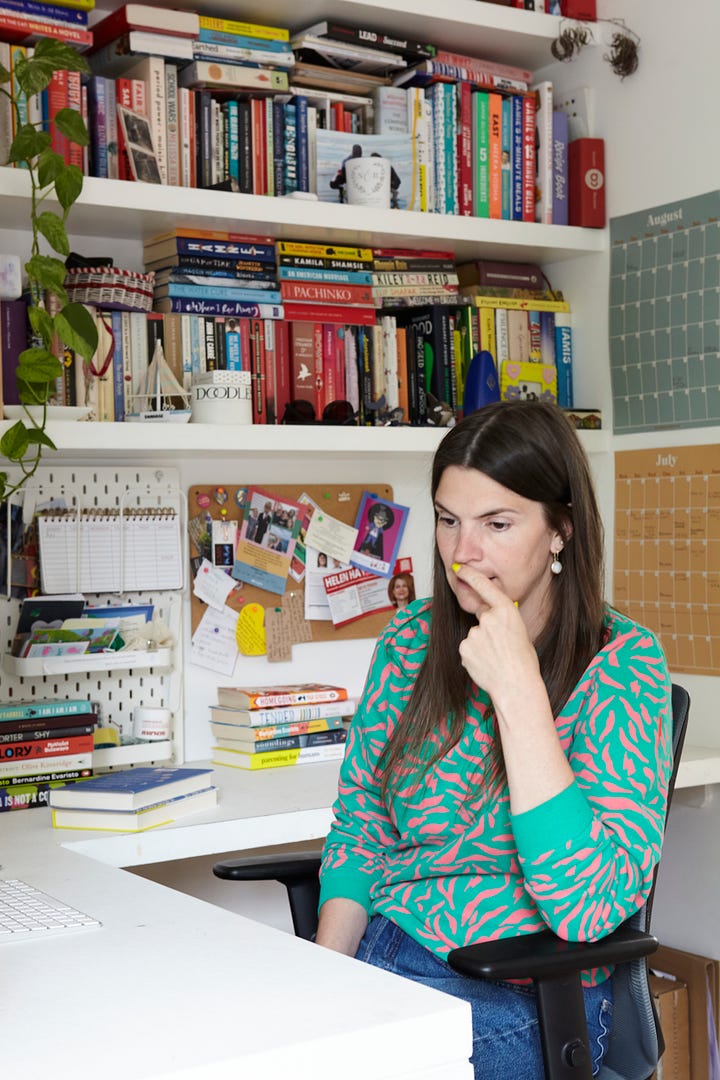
(47, 12)
(528, 179)
(16, 27)
(506, 160)
(495, 155)
(196, 306)
(326, 293)
(46, 709)
(560, 138)
(464, 149)
(481, 160)
(543, 92)
(341, 277)
(43, 734)
(564, 359)
(247, 29)
(516, 103)
(216, 292)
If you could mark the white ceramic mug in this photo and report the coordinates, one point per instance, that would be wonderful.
(151, 724)
(367, 181)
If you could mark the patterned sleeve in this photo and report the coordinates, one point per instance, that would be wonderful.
(588, 854)
(362, 828)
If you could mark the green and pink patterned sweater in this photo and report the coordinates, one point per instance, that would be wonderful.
(451, 868)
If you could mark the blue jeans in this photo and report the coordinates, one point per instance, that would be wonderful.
(506, 1039)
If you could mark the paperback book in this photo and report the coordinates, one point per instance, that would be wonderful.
(309, 755)
(291, 714)
(254, 697)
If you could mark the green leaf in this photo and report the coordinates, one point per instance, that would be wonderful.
(33, 76)
(68, 186)
(47, 271)
(49, 166)
(37, 437)
(76, 328)
(34, 393)
(3, 485)
(5, 76)
(63, 57)
(38, 366)
(28, 143)
(14, 442)
(53, 229)
(71, 123)
(41, 322)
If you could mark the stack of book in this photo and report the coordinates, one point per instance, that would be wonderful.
(24, 21)
(234, 55)
(214, 273)
(405, 278)
(42, 744)
(264, 728)
(133, 800)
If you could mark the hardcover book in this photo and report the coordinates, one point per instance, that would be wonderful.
(131, 789)
(149, 817)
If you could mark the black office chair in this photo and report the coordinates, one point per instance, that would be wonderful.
(636, 1042)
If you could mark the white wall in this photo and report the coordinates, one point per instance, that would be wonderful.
(661, 145)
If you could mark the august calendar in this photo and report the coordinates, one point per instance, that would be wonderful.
(667, 550)
(665, 316)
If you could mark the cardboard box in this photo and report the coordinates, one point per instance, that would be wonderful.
(671, 1002)
(586, 173)
(701, 976)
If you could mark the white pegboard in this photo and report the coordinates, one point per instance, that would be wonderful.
(117, 692)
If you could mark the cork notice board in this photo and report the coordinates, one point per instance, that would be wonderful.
(341, 501)
(667, 550)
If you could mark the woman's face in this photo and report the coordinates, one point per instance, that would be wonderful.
(503, 535)
(401, 592)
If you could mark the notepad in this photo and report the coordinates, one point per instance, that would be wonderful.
(106, 551)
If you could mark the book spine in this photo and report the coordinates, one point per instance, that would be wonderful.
(516, 104)
(283, 730)
(290, 141)
(302, 698)
(17, 27)
(218, 292)
(16, 733)
(225, 249)
(172, 126)
(157, 112)
(25, 797)
(25, 770)
(47, 12)
(481, 161)
(118, 367)
(302, 148)
(339, 277)
(257, 354)
(564, 359)
(357, 316)
(495, 156)
(321, 293)
(278, 146)
(46, 777)
(560, 169)
(97, 102)
(50, 747)
(543, 92)
(246, 29)
(506, 159)
(464, 149)
(436, 98)
(123, 96)
(206, 73)
(528, 178)
(220, 307)
(270, 371)
(283, 386)
(185, 125)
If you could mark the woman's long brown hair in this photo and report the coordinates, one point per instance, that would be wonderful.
(530, 448)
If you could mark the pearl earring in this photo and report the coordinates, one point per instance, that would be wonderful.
(556, 565)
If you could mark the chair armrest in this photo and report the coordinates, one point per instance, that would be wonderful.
(545, 955)
(305, 865)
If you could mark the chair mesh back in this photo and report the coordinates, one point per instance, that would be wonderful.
(634, 1046)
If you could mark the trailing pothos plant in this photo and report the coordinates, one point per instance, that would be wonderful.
(50, 177)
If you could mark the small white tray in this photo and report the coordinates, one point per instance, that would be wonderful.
(107, 661)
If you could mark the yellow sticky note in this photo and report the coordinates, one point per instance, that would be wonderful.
(250, 632)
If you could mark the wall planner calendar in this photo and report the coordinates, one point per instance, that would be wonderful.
(667, 550)
(665, 316)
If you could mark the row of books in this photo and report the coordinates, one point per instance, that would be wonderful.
(43, 744)
(464, 135)
(257, 728)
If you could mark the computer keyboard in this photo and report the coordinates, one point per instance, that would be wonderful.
(26, 913)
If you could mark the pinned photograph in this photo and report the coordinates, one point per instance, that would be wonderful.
(139, 145)
(380, 526)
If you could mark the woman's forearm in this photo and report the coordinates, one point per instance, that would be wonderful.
(342, 925)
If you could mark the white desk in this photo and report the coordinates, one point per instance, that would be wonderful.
(173, 987)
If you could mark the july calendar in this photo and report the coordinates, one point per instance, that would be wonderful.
(667, 550)
(665, 316)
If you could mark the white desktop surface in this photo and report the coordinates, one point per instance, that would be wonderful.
(170, 986)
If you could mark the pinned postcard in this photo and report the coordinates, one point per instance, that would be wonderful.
(318, 564)
(353, 593)
(380, 525)
(326, 533)
(213, 644)
(213, 586)
(266, 543)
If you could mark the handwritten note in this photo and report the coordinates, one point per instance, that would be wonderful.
(284, 627)
(213, 643)
(250, 633)
(213, 586)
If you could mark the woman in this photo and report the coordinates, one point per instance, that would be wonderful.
(507, 768)
(401, 590)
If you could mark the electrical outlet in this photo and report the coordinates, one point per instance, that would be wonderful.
(578, 103)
